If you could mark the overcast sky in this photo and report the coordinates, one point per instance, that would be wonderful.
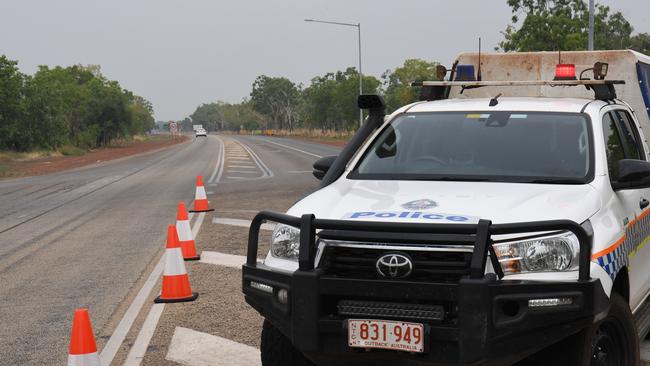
(179, 54)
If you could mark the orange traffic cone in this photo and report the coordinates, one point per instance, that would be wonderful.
(83, 349)
(175, 282)
(200, 198)
(185, 234)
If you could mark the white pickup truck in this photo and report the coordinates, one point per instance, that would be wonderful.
(502, 218)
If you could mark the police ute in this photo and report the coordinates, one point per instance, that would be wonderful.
(503, 219)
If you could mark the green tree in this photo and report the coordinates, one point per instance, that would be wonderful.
(397, 83)
(641, 43)
(550, 25)
(330, 102)
(11, 104)
(277, 99)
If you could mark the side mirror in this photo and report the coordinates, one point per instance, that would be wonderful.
(322, 165)
(632, 173)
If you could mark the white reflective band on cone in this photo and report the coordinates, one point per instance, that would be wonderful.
(184, 230)
(174, 265)
(200, 193)
(90, 359)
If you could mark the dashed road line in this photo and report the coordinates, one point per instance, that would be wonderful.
(240, 223)
(193, 348)
(222, 259)
(139, 348)
(240, 171)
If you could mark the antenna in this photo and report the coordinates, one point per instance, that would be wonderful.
(478, 75)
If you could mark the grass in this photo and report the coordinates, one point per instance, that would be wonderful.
(9, 155)
(316, 134)
(138, 138)
(70, 150)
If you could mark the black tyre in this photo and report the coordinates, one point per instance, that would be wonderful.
(277, 350)
(611, 342)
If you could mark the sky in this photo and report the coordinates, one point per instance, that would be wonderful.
(181, 53)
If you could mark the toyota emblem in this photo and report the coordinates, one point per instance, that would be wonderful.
(394, 265)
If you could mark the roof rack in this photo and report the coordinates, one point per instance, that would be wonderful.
(435, 90)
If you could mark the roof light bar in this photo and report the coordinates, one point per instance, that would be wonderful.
(518, 83)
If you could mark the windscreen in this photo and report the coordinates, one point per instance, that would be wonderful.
(495, 146)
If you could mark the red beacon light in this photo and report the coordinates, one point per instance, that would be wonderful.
(565, 72)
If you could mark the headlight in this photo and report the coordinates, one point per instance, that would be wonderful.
(550, 253)
(285, 242)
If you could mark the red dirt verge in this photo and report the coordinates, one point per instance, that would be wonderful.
(52, 164)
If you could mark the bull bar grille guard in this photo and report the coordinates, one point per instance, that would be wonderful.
(479, 235)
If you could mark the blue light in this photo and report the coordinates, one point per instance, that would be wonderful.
(465, 73)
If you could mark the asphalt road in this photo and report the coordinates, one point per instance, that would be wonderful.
(242, 191)
(84, 238)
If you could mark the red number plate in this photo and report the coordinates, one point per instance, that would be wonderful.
(386, 334)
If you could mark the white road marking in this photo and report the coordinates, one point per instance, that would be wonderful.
(293, 148)
(192, 348)
(139, 348)
(218, 169)
(239, 222)
(119, 334)
(222, 259)
(242, 171)
(263, 167)
(113, 345)
(219, 166)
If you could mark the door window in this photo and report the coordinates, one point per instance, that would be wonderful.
(629, 135)
(613, 146)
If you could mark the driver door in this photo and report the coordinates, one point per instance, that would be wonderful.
(621, 129)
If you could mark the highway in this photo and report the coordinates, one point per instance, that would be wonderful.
(83, 239)
(94, 237)
(90, 237)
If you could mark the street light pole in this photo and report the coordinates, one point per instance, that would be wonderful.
(590, 45)
(358, 26)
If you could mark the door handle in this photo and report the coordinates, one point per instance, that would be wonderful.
(644, 203)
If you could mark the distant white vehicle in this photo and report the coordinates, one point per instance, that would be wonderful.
(201, 132)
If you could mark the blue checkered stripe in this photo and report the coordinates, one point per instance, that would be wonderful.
(612, 262)
(635, 234)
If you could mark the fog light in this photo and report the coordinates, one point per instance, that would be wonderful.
(283, 296)
(558, 301)
(262, 287)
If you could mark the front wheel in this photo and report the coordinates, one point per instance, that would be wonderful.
(614, 342)
(277, 350)
(611, 342)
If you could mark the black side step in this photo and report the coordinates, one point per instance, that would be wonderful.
(642, 319)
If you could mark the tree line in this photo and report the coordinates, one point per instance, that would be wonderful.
(329, 101)
(60, 106)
